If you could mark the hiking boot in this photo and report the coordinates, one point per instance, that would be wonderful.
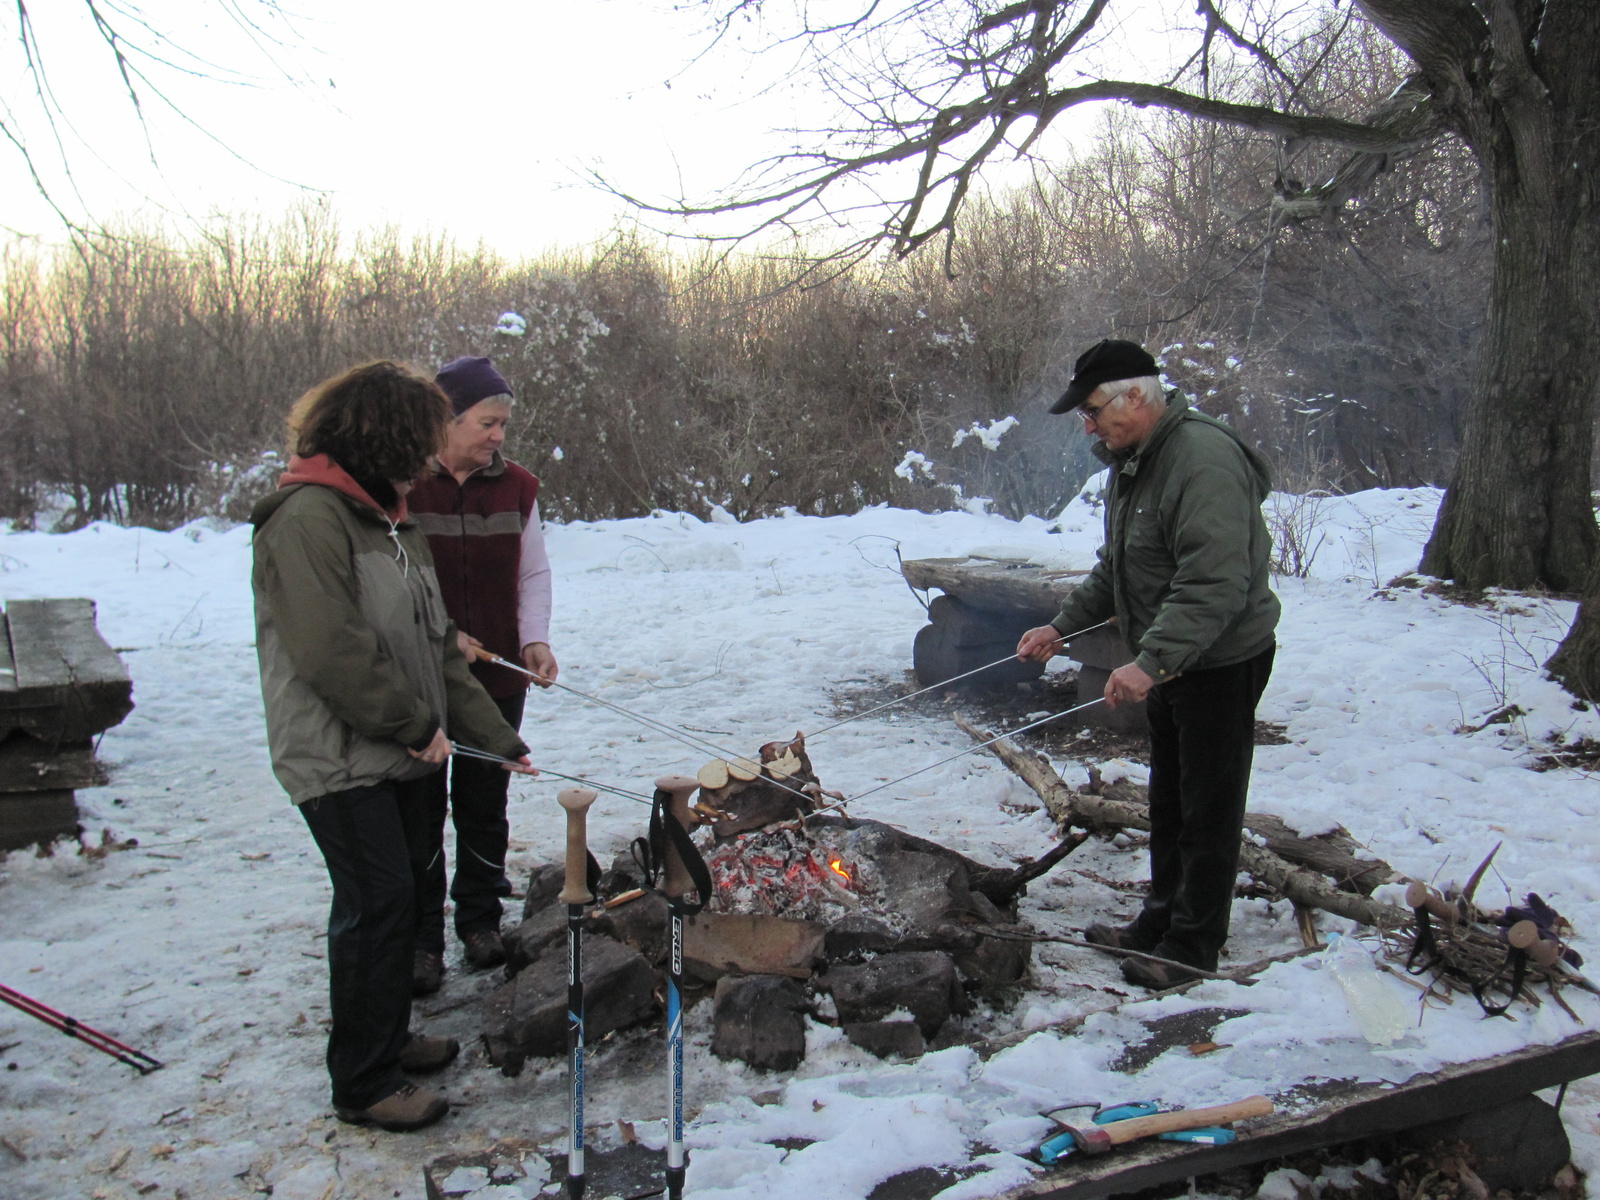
(1158, 977)
(409, 1108)
(424, 1052)
(484, 949)
(427, 973)
(1120, 937)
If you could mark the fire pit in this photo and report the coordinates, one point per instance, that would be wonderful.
(854, 922)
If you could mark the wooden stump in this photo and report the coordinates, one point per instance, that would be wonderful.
(960, 638)
(988, 604)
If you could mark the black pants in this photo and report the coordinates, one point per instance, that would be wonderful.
(370, 927)
(1202, 740)
(476, 801)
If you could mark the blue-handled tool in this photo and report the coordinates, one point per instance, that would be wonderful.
(1060, 1145)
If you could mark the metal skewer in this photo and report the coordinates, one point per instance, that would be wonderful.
(1065, 638)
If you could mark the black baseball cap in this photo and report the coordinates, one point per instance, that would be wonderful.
(1104, 362)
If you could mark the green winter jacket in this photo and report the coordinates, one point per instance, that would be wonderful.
(1184, 567)
(358, 659)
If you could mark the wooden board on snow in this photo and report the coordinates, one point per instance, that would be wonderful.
(1316, 1114)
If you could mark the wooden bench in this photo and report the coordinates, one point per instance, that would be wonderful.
(61, 686)
(987, 605)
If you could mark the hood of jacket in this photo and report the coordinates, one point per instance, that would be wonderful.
(321, 471)
(1178, 411)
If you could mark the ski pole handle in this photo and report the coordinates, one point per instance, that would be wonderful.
(675, 879)
(577, 801)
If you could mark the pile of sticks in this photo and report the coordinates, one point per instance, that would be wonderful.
(1491, 955)
(1485, 953)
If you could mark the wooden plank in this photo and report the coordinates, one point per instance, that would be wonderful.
(996, 585)
(56, 644)
(29, 765)
(1327, 1113)
(34, 818)
(70, 684)
(8, 664)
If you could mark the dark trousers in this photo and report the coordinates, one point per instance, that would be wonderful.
(363, 841)
(475, 797)
(1202, 741)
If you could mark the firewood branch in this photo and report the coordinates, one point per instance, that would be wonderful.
(1297, 883)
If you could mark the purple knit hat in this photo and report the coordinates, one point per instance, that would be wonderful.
(468, 380)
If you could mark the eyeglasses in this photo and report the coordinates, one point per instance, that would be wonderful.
(1090, 415)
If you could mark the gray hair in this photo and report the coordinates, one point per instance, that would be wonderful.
(1149, 386)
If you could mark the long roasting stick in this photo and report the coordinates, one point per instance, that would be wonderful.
(575, 894)
(676, 883)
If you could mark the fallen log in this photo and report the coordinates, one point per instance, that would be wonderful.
(1302, 885)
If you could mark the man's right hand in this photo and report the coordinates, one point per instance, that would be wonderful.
(468, 645)
(1040, 645)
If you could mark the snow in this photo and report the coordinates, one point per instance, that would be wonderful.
(203, 946)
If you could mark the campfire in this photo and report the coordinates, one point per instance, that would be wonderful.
(811, 911)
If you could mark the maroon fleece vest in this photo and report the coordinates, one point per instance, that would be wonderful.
(475, 532)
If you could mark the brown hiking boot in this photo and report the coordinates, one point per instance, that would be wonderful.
(409, 1108)
(427, 973)
(424, 1052)
(484, 949)
(1119, 937)
(1158, 977)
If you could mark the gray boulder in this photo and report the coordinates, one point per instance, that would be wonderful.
(759, 1019)
(924, 982)
(528, 1016)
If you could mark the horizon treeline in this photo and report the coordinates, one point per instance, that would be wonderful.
(145, 377)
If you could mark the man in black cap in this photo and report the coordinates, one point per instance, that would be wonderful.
(1184, 570)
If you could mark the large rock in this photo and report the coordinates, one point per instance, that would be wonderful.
(928, 890)
(544, 884)
(640, 923)
(718, 944)
(856, 935)
(922, 981)
(1516, 1146)
(759, 1019)
(528, 1016)
(529, 941)
(885, 1038)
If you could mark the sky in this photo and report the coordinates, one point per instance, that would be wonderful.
(478, 120)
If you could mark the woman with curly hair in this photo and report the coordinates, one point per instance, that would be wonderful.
(364, 687)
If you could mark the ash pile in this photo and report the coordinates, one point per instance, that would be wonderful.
(852, 922)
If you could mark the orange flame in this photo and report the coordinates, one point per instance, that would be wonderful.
(833, 865)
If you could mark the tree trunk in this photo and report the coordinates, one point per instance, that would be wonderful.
(1517, 513)
(1576, 662)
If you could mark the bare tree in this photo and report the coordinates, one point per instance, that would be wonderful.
(935, 90)
(248, 41)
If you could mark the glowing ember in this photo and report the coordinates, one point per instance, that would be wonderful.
(833, 865)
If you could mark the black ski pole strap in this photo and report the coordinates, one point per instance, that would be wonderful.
(592, 875)
(665, 830)
(1424, 946)
(1518, 961)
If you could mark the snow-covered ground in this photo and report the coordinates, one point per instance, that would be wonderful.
(204, 944)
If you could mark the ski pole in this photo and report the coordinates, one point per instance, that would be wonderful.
(676, 882)
(72, 1027)
(576, 894)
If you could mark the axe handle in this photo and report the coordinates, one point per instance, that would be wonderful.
(1186, 1118)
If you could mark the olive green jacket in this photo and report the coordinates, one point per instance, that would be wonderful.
(1184, 567)
(358, 659)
